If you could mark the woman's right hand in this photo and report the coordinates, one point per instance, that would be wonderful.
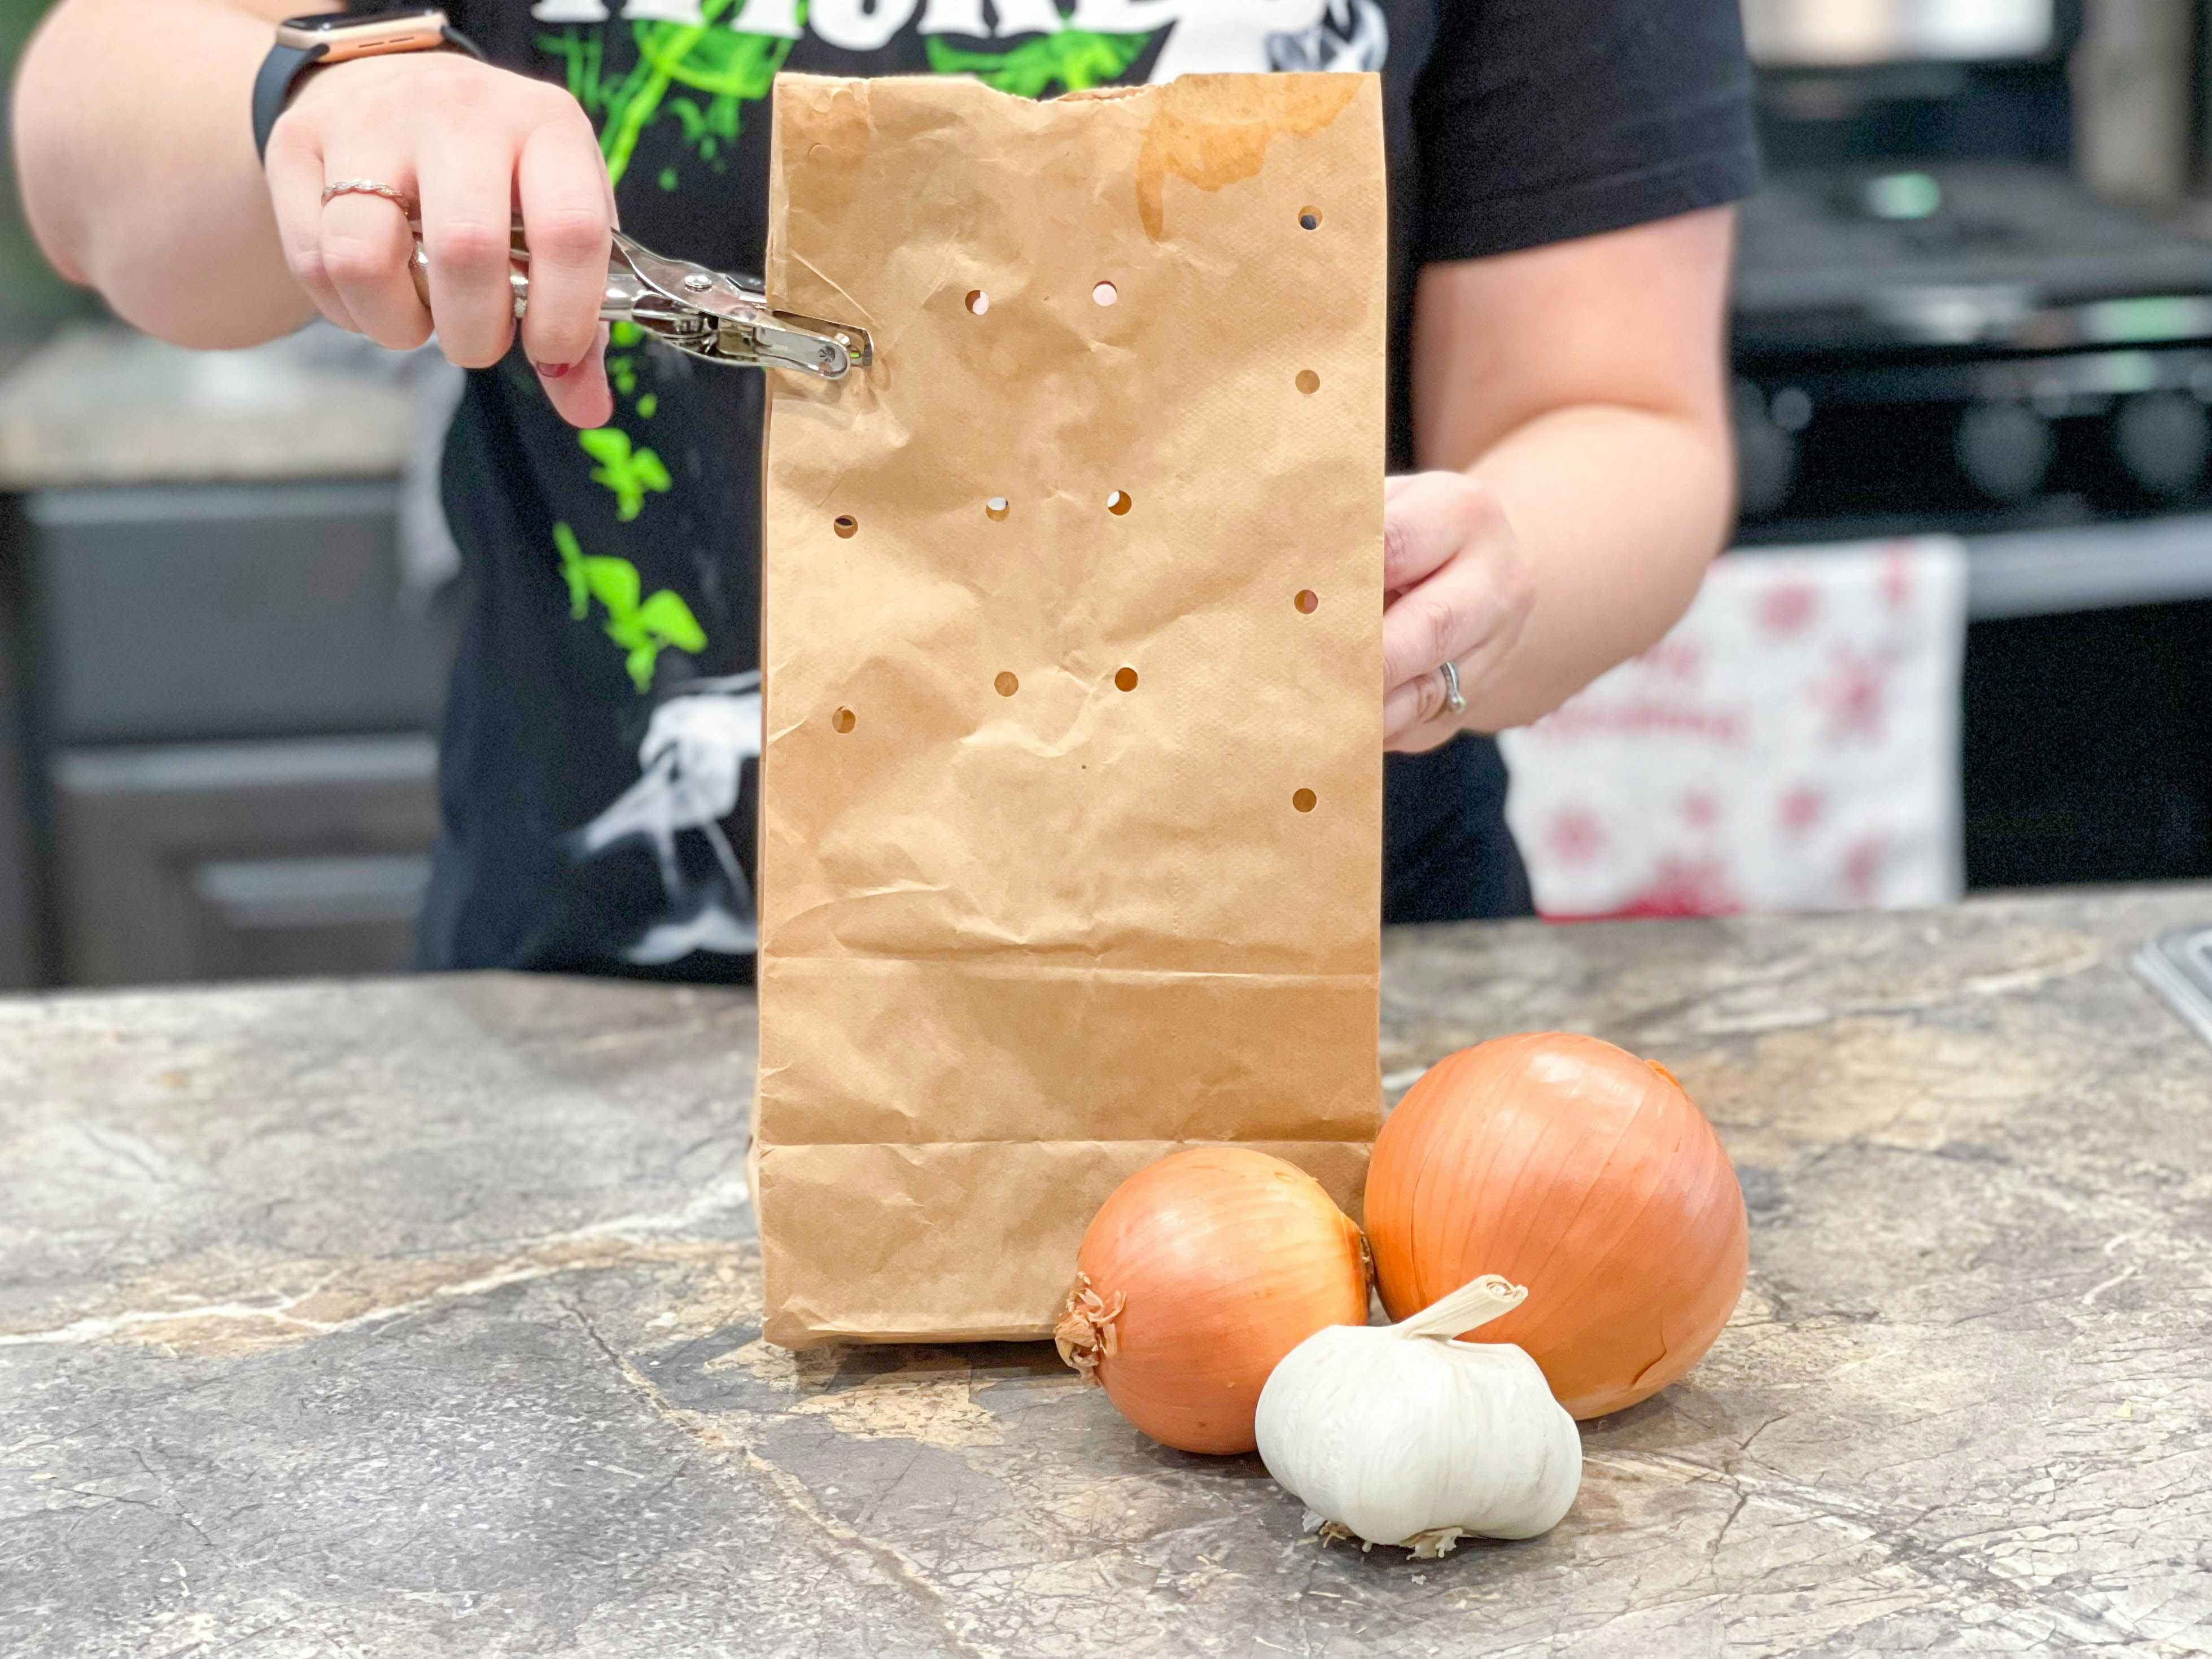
(471, 144)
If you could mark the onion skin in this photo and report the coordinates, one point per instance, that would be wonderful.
(1215, 1263)
(1574, 1168)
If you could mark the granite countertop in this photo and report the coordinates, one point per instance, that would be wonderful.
(106, 405)
(419, 1316)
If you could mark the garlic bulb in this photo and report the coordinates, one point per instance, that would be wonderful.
(1397, 1434)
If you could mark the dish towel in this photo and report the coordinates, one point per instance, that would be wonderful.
(1792, 745)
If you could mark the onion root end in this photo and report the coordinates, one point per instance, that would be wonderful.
(1086, 1332)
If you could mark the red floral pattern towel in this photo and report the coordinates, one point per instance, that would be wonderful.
(1793, 745)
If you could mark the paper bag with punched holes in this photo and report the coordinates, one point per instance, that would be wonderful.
(1072, 784)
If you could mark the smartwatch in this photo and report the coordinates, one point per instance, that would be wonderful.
(306, 43)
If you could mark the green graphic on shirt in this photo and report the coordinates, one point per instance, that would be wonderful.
(1074, 60)
(702, 75)
(727, 69)
(624, 338)
(630, 473)
(641, 628)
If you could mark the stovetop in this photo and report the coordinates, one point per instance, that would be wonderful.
(1838, 256)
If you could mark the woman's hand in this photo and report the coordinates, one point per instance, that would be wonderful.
(1456, 588)
(469, 143)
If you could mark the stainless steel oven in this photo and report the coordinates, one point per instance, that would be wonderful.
(1939, 326)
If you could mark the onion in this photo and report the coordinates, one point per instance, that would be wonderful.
(1197, 1275)
(1570, 1166)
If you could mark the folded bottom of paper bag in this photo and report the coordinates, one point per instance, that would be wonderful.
(953, 1242)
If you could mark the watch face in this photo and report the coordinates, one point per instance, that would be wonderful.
(331, 22)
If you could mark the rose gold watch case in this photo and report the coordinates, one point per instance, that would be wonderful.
(371, 37)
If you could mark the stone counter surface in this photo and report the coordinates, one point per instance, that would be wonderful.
(420, 1317)
(101, 405)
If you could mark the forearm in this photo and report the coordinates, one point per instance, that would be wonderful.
(1571, 400)
(1618, 511)
(137, 169)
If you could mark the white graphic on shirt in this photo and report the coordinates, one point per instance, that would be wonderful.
(1206, 37)
(691, 765)
(1352, 37)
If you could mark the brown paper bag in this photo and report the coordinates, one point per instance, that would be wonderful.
(1072, 785)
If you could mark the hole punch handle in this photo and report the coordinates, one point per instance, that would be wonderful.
(705, 314)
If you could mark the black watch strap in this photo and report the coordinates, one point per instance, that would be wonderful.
(281, 71)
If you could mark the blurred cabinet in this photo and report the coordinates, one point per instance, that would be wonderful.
(229, 611)
(19, 924)
(234, 693)
(226, 861)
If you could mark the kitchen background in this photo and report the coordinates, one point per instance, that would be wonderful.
(1965, 641)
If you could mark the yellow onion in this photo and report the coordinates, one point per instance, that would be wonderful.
(1197, 1275)
(1570, 1166)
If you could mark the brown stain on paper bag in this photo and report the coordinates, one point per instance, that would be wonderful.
(1213, 131)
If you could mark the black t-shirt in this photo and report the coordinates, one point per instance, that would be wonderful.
(601, 734)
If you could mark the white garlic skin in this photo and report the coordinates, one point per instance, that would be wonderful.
(1393, 1435)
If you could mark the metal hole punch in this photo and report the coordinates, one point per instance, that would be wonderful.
(704, 314)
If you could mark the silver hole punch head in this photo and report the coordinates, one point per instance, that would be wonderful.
(706, 313)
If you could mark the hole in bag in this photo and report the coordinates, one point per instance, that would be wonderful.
(997, 507)
(1308, 601)
(1119, 502)
(1305, 800)
(1007, 683)
(1127, 680)
(842, 720)
(1308, 218)
(1105, 293)
(1309, 382)
(978, 301)
(846, 525)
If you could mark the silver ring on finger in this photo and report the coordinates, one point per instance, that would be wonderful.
(1454, 701)
(398, 198)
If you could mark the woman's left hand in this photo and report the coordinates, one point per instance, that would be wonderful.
(1456, 588)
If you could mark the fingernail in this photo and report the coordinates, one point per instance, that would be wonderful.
(552, 371)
